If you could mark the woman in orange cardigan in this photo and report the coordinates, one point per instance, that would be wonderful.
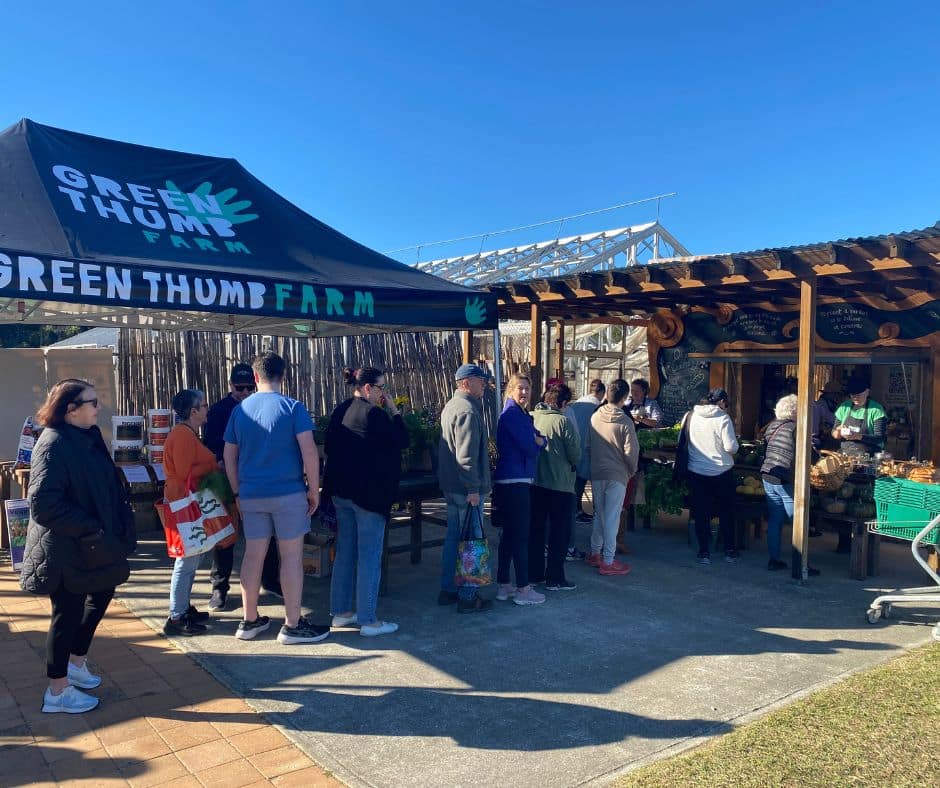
(186, 458)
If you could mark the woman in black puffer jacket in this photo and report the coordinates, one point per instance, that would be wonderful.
(81, 531)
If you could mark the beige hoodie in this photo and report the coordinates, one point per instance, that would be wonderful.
(615, 450)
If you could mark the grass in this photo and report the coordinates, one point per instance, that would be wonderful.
(879, 728)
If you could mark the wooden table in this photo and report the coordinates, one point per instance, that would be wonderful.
(412, 491)
(864, 555)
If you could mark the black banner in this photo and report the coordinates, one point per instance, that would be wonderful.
(153, 287)
(97, 221)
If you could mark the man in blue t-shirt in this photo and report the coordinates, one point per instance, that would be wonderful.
(272, 464)
(241, 386)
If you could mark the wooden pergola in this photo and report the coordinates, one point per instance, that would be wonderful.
(903, 268)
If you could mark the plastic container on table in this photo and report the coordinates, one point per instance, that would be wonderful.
(127, 428)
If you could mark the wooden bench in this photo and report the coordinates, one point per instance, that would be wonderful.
(412, 492)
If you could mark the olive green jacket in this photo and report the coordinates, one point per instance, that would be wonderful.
(555, 468)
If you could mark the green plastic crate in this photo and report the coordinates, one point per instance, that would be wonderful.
(920, 496)
(887, 489)
(907, 493)
(905, 522)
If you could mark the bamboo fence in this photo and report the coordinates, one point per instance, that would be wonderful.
(154, 365)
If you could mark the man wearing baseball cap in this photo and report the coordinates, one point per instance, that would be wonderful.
(463, 470)
(824, 410)
(241, 386)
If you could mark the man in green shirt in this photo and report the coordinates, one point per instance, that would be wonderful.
(860, 421)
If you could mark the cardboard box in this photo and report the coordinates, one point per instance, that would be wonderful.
(316, 560)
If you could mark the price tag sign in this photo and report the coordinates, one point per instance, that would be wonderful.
(135, 474)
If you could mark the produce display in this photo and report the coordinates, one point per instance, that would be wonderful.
(750, 485)
(853, 499)
(923, 472)
(662, 493)
(661, 438)
(750, 453)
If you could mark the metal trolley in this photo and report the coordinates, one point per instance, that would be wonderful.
(918, 534)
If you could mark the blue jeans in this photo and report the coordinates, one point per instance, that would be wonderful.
(181, 583)
(779, 508)
(456, 514)
(360, 535)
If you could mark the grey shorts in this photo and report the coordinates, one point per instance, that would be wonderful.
(284, 516)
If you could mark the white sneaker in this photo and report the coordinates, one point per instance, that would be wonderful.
(378, 628)
(70, 701)
(528, 596)
(82, 677)
(344, 621)
(505, 592)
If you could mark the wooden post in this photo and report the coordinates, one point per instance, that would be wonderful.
(535, 349)
(801, 489)
(466, 338)
(560, 351)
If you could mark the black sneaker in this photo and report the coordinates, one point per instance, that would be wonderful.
(775, 566)
(584, 517)
(447, 598)
(812, 571)
(217, 600)
(732, 556)
(304, 632)
(248, 629)
(184, 626)
(475, 605)
(274, 590)
(196, 615)
(574, 554)
(565, 585)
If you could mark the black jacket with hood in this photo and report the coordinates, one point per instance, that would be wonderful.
(75, 490)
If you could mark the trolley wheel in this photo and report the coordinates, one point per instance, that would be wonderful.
(936, 632)
(874, 613)
(886, 610)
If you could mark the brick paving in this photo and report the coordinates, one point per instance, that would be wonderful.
(163, 720)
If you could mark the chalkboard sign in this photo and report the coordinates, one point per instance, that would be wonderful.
(683, 380)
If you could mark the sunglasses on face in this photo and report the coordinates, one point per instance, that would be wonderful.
(79, 402)
(248, 387)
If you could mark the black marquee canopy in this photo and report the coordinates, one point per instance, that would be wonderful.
(100, 232)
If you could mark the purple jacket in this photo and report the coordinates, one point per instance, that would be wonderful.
(515, 440)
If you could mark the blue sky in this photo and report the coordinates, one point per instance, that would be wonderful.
(400, 123)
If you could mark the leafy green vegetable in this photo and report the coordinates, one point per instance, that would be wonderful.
(662, 493)
(217, 482)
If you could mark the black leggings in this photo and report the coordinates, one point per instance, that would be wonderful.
(556, 508)
(712, 495)
(514, 502)
(75, 617)
(579, 484)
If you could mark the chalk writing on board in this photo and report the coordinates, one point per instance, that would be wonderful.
(757, 326)
(847, 319)
(684, 381)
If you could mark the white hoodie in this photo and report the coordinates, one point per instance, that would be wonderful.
(712, 442)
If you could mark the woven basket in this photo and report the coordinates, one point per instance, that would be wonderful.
(830, 472)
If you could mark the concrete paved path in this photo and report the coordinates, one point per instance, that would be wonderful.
(162, 720)
(590, 684)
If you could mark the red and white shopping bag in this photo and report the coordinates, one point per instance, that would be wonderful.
(195, 524)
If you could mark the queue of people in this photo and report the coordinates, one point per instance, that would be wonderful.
(81, 529)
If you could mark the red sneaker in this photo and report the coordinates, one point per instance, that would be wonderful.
(615, 567)
(593, 559)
